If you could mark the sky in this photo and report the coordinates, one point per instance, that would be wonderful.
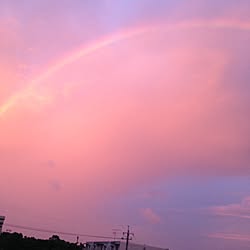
(116, 113)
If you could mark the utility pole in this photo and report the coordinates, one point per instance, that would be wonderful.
(128, 238)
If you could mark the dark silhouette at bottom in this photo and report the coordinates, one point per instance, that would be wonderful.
(16, 241)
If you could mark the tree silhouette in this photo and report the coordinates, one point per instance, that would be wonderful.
(16, 241)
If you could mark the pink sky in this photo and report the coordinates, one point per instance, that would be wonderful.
(100, 101)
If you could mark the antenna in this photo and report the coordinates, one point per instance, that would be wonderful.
(115, 230)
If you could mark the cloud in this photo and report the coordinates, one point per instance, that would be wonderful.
(55, 184)
(230, 236)
(50, 164)
(174, 116)
(150, 216)
(239, 210)
(30, 90)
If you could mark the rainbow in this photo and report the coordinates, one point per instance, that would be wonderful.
(30, 89)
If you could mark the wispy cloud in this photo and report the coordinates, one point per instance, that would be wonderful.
(240, 210)
(230, 236)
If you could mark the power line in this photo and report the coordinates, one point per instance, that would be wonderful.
(57, 232)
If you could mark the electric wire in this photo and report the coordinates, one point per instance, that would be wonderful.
(57, 232)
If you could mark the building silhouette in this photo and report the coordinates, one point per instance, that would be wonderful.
(2, 218)
(118, 245)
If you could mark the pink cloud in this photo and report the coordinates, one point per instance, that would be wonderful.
(230, 236)
(240, 210)
(151, 216)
